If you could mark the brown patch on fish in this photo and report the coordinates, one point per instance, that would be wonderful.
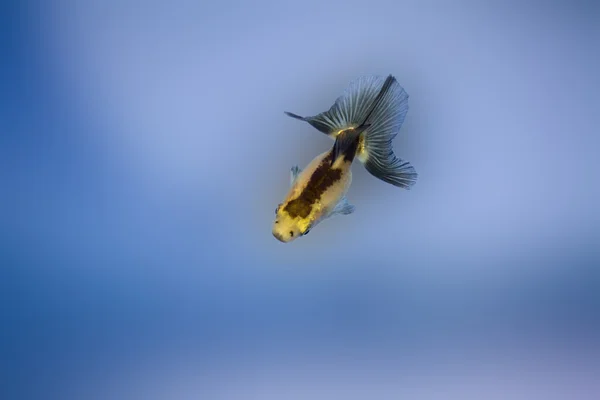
(350, 152)
(322, 179)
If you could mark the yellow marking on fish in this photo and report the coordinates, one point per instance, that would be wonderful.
(361, 151)
(344, 129)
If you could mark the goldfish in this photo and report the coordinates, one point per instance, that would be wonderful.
(363, 121)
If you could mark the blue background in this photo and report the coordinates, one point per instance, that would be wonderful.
(143, 150)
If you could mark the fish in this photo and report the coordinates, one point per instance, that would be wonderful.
(363, 121)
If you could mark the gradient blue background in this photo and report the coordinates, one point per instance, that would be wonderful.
(143, 150)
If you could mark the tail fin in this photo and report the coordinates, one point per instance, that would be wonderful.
(346, 141)
(320, 125)
(384, 122)
(381, 104)
(389, 81)
(350, 109)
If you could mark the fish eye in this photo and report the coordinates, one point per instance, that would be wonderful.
(292, 233)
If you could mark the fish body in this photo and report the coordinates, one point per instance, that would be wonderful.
(363, 122)
(317, 193)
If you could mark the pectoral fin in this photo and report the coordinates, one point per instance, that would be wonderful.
(343, 207)
(294, 172)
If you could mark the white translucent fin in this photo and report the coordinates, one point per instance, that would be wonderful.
(350, 109)
(294, 172)
(392, 170)
(343, 207)
(384, 123)
(346, 141)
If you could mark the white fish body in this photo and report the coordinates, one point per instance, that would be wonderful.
(317, 193)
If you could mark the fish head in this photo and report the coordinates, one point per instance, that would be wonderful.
(287, 229)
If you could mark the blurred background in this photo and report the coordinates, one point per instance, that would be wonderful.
(143, 150)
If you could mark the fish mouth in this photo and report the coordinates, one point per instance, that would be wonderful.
(278, 236)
